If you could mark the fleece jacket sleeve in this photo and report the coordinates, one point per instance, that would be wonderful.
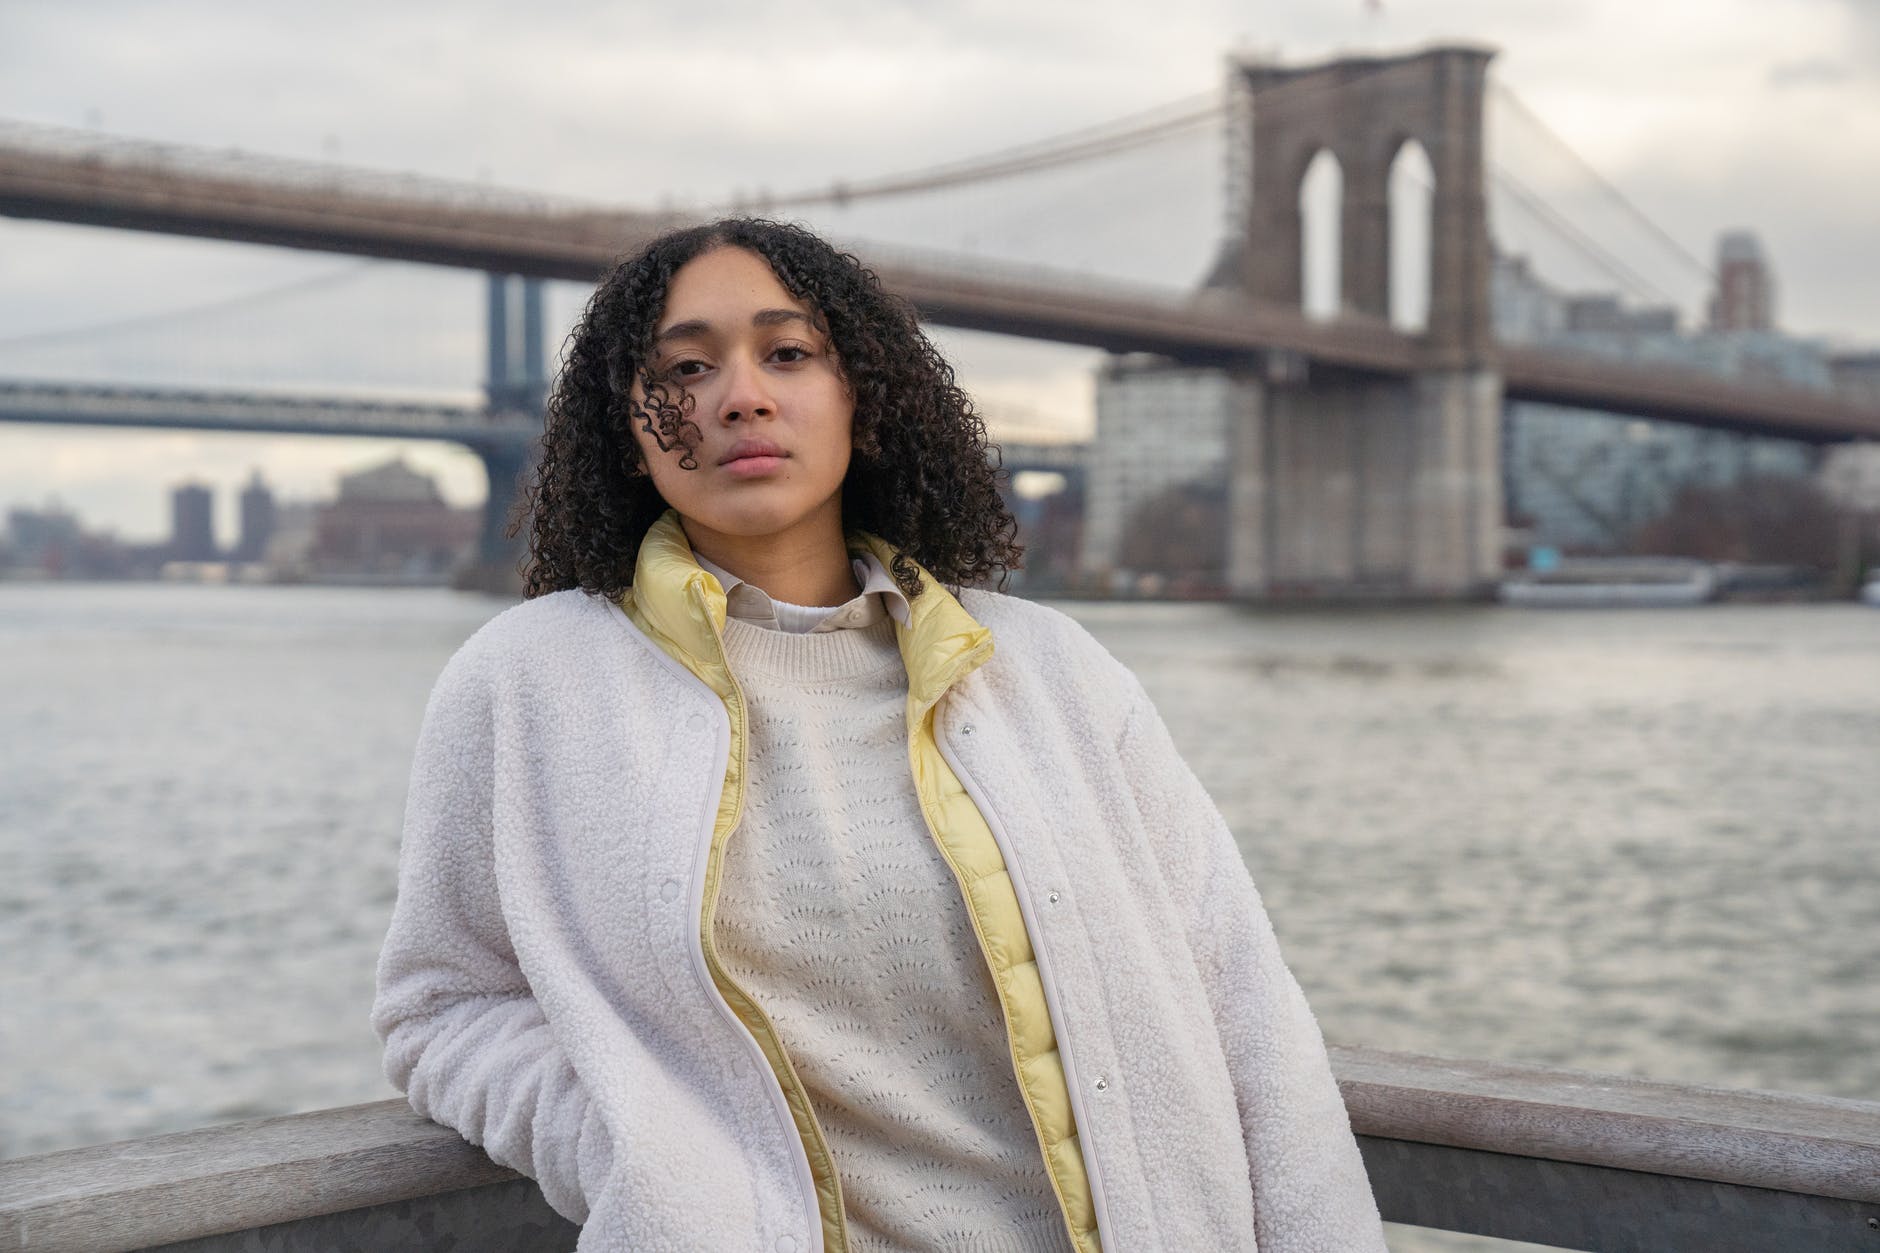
(1310, 1190)
(464, 1037)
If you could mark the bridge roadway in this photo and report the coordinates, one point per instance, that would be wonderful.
(196, 410)
(195, 192)
(165, 408)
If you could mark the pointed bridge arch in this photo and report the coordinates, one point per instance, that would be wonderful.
(1367, 112)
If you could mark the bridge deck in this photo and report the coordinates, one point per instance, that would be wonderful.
(190, 192)
(195, 409)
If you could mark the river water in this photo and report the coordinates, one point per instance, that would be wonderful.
(1645, 842)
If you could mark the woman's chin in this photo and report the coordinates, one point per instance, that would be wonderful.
(754, 524)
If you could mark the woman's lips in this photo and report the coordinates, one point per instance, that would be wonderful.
(751, 458)
(751, 467)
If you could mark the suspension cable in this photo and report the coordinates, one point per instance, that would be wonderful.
(1638, 215)
(1087, 144)
(1578, 239)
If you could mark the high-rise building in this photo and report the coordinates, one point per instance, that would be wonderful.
(258, 518)
(1857, 376)
(1162, 427)
(1852, 473)
(192, 523)
(44, 537)
(1745, 295)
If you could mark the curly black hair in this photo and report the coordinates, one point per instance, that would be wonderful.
(921, 476)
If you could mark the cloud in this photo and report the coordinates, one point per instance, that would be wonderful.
(1813, 72)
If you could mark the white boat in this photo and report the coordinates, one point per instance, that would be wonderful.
(1613, 582)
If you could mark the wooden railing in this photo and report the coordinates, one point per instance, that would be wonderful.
(1602, 1162)
(1558, 1157)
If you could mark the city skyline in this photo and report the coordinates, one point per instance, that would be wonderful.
(384, 523)
(131, 500)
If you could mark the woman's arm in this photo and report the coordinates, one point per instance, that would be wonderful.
(1310, 1190)
(464, 1037)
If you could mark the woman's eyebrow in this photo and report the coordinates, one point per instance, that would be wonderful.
(762, 319)
(683, 330)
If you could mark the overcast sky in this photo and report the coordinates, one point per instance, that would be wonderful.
(1709, 114)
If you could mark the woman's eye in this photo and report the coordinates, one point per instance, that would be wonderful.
(688, 368)
(788, 353)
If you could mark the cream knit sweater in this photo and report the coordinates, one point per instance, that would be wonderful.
(839, 915)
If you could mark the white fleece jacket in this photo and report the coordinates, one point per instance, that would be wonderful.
(542, 989)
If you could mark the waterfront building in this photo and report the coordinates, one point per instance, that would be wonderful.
(1586, 481)
(43, 539)
(1745, 295)
(54, 543)
(290, 547)
(390, 522)
(1527, 310)
(192, 523)
(258, 520)
(1851, 474)
(1163, 432)
(1857, 376)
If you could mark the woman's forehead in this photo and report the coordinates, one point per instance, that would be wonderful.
(728, 286)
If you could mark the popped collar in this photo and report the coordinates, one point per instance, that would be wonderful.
(880, 597)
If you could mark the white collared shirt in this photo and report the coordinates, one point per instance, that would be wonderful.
(880, 595)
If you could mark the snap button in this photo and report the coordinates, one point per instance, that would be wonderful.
(1102, 1084)
(786, 1244)
(966, 728)
(1054, 898)
(696, 722)
(669, 889)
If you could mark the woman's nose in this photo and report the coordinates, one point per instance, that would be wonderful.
(747, 394)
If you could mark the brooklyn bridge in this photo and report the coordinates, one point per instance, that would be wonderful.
(1366, 450)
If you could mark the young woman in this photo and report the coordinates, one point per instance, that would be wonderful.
(763, 890)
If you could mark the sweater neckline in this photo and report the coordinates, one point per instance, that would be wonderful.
(847, 655)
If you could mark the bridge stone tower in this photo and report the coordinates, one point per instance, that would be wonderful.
(1345, 484)
(518, 383)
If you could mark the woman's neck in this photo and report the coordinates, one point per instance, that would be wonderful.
(805, 568)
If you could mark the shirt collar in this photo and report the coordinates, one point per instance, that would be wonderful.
(750, 603)
(681, 608)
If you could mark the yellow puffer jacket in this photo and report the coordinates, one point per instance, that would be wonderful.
(681, 607)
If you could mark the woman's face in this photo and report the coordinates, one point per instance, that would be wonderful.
(767, 396)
